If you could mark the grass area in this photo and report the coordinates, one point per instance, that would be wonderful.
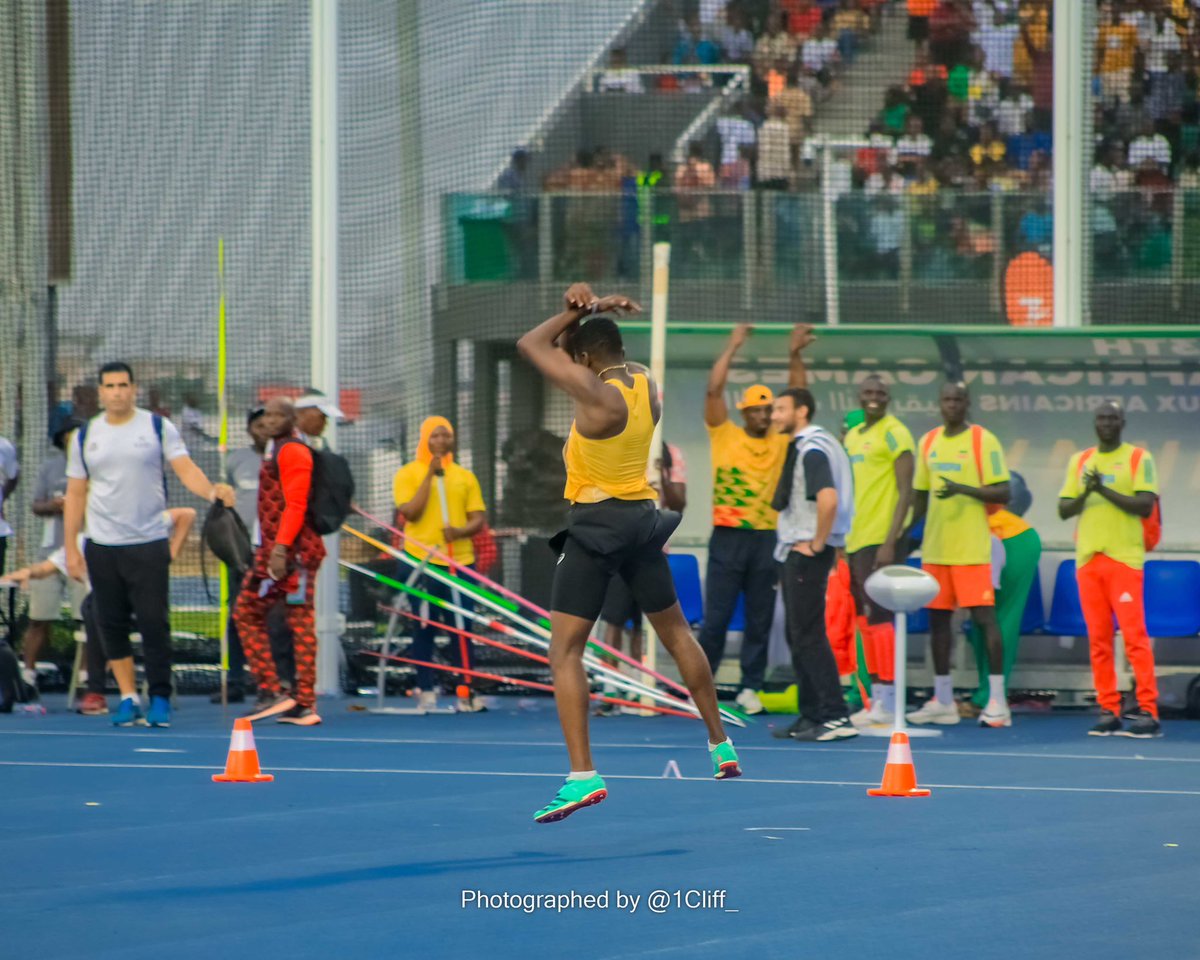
(207, 623)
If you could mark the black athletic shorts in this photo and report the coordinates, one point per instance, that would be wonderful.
(619, 606)
(623, 538)
(862, 565)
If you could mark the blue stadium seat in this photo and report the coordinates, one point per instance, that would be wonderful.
(917, 622)
(1066, 615)
(685, 570)
(1034, 617)
(1172, 593)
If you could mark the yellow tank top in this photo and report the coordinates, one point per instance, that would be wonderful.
(614, 469)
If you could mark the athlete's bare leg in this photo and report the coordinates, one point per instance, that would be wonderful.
(568, 639)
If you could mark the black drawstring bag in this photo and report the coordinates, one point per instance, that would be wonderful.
(226, 536)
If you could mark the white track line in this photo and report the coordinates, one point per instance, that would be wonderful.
(616, 776)
(557, 744)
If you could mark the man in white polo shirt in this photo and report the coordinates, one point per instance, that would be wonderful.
(116, 467)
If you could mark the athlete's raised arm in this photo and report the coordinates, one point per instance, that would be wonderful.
(544, 346)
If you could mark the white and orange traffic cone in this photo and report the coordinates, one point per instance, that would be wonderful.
(899, 775)
(242, 764)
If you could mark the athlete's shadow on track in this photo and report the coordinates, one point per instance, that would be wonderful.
(392, 871)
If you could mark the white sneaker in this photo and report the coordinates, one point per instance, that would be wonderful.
(996, 714)
(878, 716)
(875, 716)
(934, 711)
(427, 700)
(30, 677)
(749, 702)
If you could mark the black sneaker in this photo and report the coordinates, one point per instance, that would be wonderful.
(841, 729)
(1143, 725)
(787, 733)
(300, 716)
(269, 704)
(1108, 724)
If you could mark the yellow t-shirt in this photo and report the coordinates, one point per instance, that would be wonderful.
(463, 496)
(873, 454)
(956, 529)
(1103, 527)
(745, 473)
(1118, 45)
(1006, 525)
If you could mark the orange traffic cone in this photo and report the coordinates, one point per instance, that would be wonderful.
(899, 776)
(242, 765)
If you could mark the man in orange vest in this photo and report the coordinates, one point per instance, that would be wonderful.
(1113, 489)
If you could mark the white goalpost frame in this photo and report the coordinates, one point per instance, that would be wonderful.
(323, 28)
(658, 369)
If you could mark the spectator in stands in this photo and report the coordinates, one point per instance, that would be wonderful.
(746, 464)
(694, 47)
(695, 180)
(797, 107)
(1127, 120)
(46, 595)
(1113, 488)
(774, 46)
(738, 173)
(930, 97)
(1150, 149)
(775, 150)
(815, 500)
(1168, 91)
(921, 181)
(1034, 34)
(849, 25)
(950, 27)
(516, 178)
(996, 36)
(960, 471)
(990, 147)
(886, 227)
(1116, 53)
(819, 56)
(1013, 110)
(918, 19)
(915, 143)
(896, 108)
(735, 39)
(1041, 70)
(1037, 225)
(804, 17)
(1020, 149)
(618, 77)
(1160, 40)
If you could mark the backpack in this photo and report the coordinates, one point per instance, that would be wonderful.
(332, 491)
(1151, 525)
(155, 419)
(13, 688)
(976, 447)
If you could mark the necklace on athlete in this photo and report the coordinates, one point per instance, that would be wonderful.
(615, 366)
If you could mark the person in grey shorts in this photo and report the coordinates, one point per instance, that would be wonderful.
(47, 596)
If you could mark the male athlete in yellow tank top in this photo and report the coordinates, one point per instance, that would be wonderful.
(614, 528)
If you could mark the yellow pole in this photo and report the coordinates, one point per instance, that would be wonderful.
(223, 450)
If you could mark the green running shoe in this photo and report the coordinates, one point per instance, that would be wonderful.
(572, 795)
(725, 762)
